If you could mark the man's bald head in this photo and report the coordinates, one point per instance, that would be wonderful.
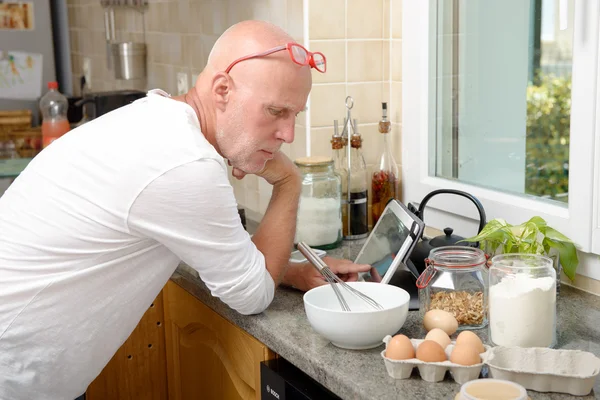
(245, 38)
(251, 109)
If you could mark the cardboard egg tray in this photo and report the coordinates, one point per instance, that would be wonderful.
(545, 370)
(432, 371)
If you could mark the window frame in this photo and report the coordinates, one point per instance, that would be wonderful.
(580, 220)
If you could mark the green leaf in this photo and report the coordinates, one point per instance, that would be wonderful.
(555, 235)
(567, 253)
(538, 221)
(488, 231)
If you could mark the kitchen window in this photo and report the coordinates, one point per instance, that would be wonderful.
(500, 100)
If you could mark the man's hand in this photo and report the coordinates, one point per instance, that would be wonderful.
(278, 170)
(305, 277)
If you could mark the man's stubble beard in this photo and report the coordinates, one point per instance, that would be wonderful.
(237, 146)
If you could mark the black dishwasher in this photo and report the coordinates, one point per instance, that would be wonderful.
(280, 380)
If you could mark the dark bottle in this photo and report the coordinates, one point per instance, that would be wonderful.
(359, 190)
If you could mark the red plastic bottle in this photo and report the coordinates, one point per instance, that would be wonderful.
(53, 106)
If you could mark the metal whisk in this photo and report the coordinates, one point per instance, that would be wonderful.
(333, 279)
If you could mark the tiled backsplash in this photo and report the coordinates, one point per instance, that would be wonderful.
(361, 39)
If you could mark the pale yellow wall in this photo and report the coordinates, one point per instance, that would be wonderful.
(362, 42)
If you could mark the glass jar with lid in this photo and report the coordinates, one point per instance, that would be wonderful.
(319, 221)
(522, 300)
(456, 280)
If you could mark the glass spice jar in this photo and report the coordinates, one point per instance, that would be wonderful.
(319, 219)
(456, 280)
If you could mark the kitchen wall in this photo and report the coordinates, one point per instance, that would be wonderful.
(355, 35)
(362, 42)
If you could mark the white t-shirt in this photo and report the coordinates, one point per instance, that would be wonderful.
(92, 230)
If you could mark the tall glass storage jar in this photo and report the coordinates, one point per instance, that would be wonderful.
(319, 221)
(456, 280)
(522, 301)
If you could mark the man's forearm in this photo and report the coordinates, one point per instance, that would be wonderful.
(275, 234)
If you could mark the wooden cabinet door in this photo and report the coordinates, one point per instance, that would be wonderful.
(207, 356)
(138, 370)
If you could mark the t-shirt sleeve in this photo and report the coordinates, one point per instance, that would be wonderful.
(192, 210)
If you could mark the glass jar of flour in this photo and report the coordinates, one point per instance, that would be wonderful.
(522, 301)
(319, 222)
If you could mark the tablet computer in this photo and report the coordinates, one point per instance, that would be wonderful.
(389, 246)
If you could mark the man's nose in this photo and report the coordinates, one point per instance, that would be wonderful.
(286, 132)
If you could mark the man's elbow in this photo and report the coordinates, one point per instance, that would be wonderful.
(252, 299)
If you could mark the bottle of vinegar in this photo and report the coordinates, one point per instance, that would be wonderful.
(359, 190)
(385, 179)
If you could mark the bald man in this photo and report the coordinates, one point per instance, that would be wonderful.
(94, 227)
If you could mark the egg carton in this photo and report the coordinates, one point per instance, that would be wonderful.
(545, 370)
(432, 371)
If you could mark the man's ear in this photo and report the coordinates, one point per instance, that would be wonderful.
(221, 90)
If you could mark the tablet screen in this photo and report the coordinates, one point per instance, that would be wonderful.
(390, 237)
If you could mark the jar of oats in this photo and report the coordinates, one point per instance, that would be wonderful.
(456, 280)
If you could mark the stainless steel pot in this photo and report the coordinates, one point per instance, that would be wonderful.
(129, 60)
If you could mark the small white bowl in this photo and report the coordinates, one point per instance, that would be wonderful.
(363, 327)
(490, 387)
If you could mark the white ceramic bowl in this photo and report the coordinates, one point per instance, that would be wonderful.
(363, 327)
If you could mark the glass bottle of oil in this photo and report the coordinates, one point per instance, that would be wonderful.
(385, 178)
(338, 144)
(359, 189)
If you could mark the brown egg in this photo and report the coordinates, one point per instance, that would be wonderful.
(470, 339)
(430, 351)
(440, 319)
(464, 355)
(400, 348)
(439, 336)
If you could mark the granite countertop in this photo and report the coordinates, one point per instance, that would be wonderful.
(352, 374)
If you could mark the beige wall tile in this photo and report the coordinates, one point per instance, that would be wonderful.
(396, 11)
(386, 19)
(327, 103)
(396, 55)
(298, 147)
(320, 141)
(365, 19)
(387, 47)
(365, 61)
(166, 48)
(251, 182)
(583, 282)
(367, 101)
(335, 54)
(295, 19)
(264, 188)
(155, 17)
(240, 10)
(327, 19)
(72, 17)
(251, 200)
(198, 48)
(396, 142)
(93, 17)
(395, 107)
(372, 142)
(97, 44)
(286, 149)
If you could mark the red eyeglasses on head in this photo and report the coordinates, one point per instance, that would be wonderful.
(297, 53)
